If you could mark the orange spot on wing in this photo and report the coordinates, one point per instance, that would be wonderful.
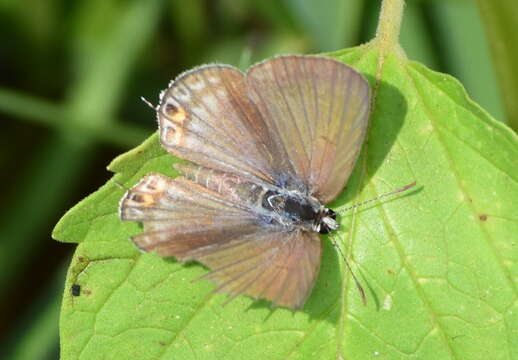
(143, 199)
(172, 136)
(176, 114)
(179, 117)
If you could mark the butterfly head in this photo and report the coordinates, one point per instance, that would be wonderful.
(325, 222)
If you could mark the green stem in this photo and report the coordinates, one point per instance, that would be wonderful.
(389, 24)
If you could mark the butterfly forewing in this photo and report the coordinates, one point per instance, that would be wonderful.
(318, 107)
(205, 116)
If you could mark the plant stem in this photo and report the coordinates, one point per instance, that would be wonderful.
(389, 24)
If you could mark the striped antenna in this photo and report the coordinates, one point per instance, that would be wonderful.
(401, 189)
(148, 103)
(358, 286)
(341, 211)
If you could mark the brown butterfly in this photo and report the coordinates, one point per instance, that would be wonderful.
(272, 146)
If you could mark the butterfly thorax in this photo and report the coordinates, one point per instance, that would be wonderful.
(299, 210)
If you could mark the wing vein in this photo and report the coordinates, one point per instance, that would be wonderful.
(288, 105)
(274, 125)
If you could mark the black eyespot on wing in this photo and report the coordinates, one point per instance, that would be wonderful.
(171, 109)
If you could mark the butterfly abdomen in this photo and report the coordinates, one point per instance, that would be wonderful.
(290, 209)
(239, 189)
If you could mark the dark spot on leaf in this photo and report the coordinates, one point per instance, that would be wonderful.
(76, 290)
(162, 343)
(87, 292)
(390, 271)
(458, 336)
(483, 217)
(80, 259)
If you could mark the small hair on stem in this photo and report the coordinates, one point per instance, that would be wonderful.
(120, 186)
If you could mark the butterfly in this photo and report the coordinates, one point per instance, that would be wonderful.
(267, 149)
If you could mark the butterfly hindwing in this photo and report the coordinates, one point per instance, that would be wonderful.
(190, 222)
(277, 266)
(181, 217)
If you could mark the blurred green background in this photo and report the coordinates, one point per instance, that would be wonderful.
(72, 73)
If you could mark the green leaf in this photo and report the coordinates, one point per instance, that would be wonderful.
(437, 263)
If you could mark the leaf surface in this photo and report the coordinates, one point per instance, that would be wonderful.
(439, 263)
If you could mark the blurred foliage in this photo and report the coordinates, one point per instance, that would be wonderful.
(501, 19)
(73, 72)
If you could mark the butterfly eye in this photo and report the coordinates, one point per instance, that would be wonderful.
(326, 222)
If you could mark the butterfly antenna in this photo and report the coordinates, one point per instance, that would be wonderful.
(148, 103)
(358, 286)
(401, 189)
